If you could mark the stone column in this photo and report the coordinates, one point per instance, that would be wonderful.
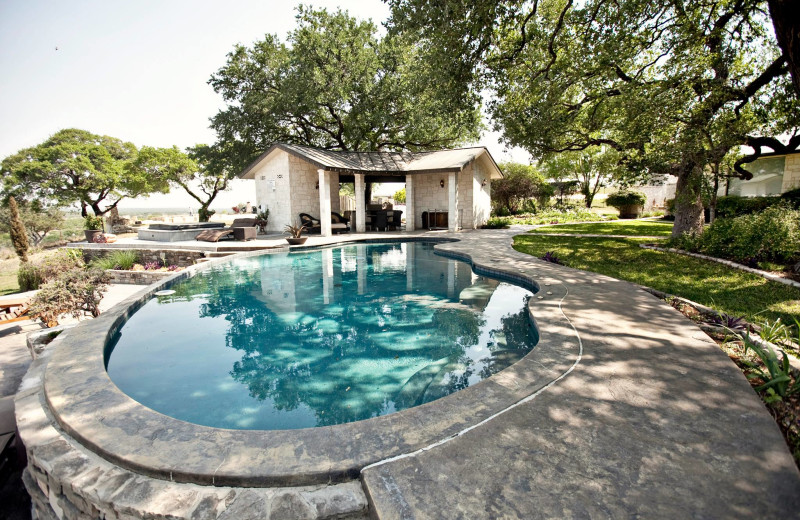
(411, 224)
(327, 275)
(361, 267)
(452, 201)
(410, 266)
(325, 202)
(361, 206)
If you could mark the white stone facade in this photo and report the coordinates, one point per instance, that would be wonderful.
(289, 185)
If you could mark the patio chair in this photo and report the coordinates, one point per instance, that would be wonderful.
(380, 221)
(14, 310)
(313, 225)
(241, 229)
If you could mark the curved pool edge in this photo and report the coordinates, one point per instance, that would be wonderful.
(90, 408)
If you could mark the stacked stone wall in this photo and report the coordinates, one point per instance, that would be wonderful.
(273, 190)
(791, 173)
(179, 257)
(68, 482)
(481, 195)
(429, 194)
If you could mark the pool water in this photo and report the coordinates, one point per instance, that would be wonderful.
(306, 339)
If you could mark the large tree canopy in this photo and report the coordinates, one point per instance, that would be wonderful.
(202, 174)
(671, 86)
(78, 167)
(336, 84)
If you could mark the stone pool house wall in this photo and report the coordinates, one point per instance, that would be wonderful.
(294, 179)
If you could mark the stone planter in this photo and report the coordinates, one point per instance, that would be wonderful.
(296, 241)
(631, 211)
(91, 233)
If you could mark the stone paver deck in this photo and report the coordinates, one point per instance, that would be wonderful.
(655, 421)
(641, 416)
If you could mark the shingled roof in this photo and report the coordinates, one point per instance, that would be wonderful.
(386, 163)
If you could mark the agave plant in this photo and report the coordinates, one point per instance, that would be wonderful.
(295, 231)
(551, 257)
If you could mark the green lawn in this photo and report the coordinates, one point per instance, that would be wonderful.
(734, 292)
(617, 227)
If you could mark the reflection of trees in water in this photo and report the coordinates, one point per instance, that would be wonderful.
(345, 372)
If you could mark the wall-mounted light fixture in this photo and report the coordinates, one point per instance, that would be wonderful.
(317, 186)
(441, 183)
(483, 183)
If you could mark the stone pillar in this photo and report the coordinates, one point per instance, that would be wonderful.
(361, 206)
(410, 269)
(451, 278)
(327, 274)
(361, 267)
(411, 224)
(325, 202)
(452, 202)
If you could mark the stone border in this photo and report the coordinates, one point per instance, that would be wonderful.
(763, 274)
(90, 408)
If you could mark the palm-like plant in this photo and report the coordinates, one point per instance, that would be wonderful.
(295, 231)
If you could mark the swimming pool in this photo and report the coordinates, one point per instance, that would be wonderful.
(317, 338)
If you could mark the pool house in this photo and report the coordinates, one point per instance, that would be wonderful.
(445, 189)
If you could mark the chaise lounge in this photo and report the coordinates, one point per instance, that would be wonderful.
(313, 225)
(242, 229)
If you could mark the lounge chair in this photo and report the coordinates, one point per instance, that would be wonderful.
(14, 309)
(241, 229)
(313, 225)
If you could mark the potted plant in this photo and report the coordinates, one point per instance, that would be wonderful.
(629, 203)
(296, 231)
(92, 226)
(262, 219)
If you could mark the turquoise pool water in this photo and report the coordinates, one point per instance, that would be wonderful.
(298, 340)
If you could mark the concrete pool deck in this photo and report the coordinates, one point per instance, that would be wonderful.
(635, 413)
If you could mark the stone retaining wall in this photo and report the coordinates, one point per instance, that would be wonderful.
(179, 257)
(68, 482)
(137, 277)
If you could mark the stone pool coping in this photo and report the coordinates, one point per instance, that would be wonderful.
(90, 408)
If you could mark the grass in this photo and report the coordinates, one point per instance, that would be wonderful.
(731, 291)
(618, 227)
(8, 276)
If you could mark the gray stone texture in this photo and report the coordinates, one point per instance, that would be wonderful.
(639, 415)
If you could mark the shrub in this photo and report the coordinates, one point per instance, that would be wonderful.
(559, 217)
(792, 197)
(76, 292)
(734, 206)
(622, 198)
(120, 259)
(771, 235)
(497, 223)
(29, 277)
(93, 222)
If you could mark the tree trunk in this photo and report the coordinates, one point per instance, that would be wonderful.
(785, 16)
(204, 214)
(688, 202)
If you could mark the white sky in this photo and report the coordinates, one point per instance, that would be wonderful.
(136, 71)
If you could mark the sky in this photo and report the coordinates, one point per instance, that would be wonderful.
(137, 71)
